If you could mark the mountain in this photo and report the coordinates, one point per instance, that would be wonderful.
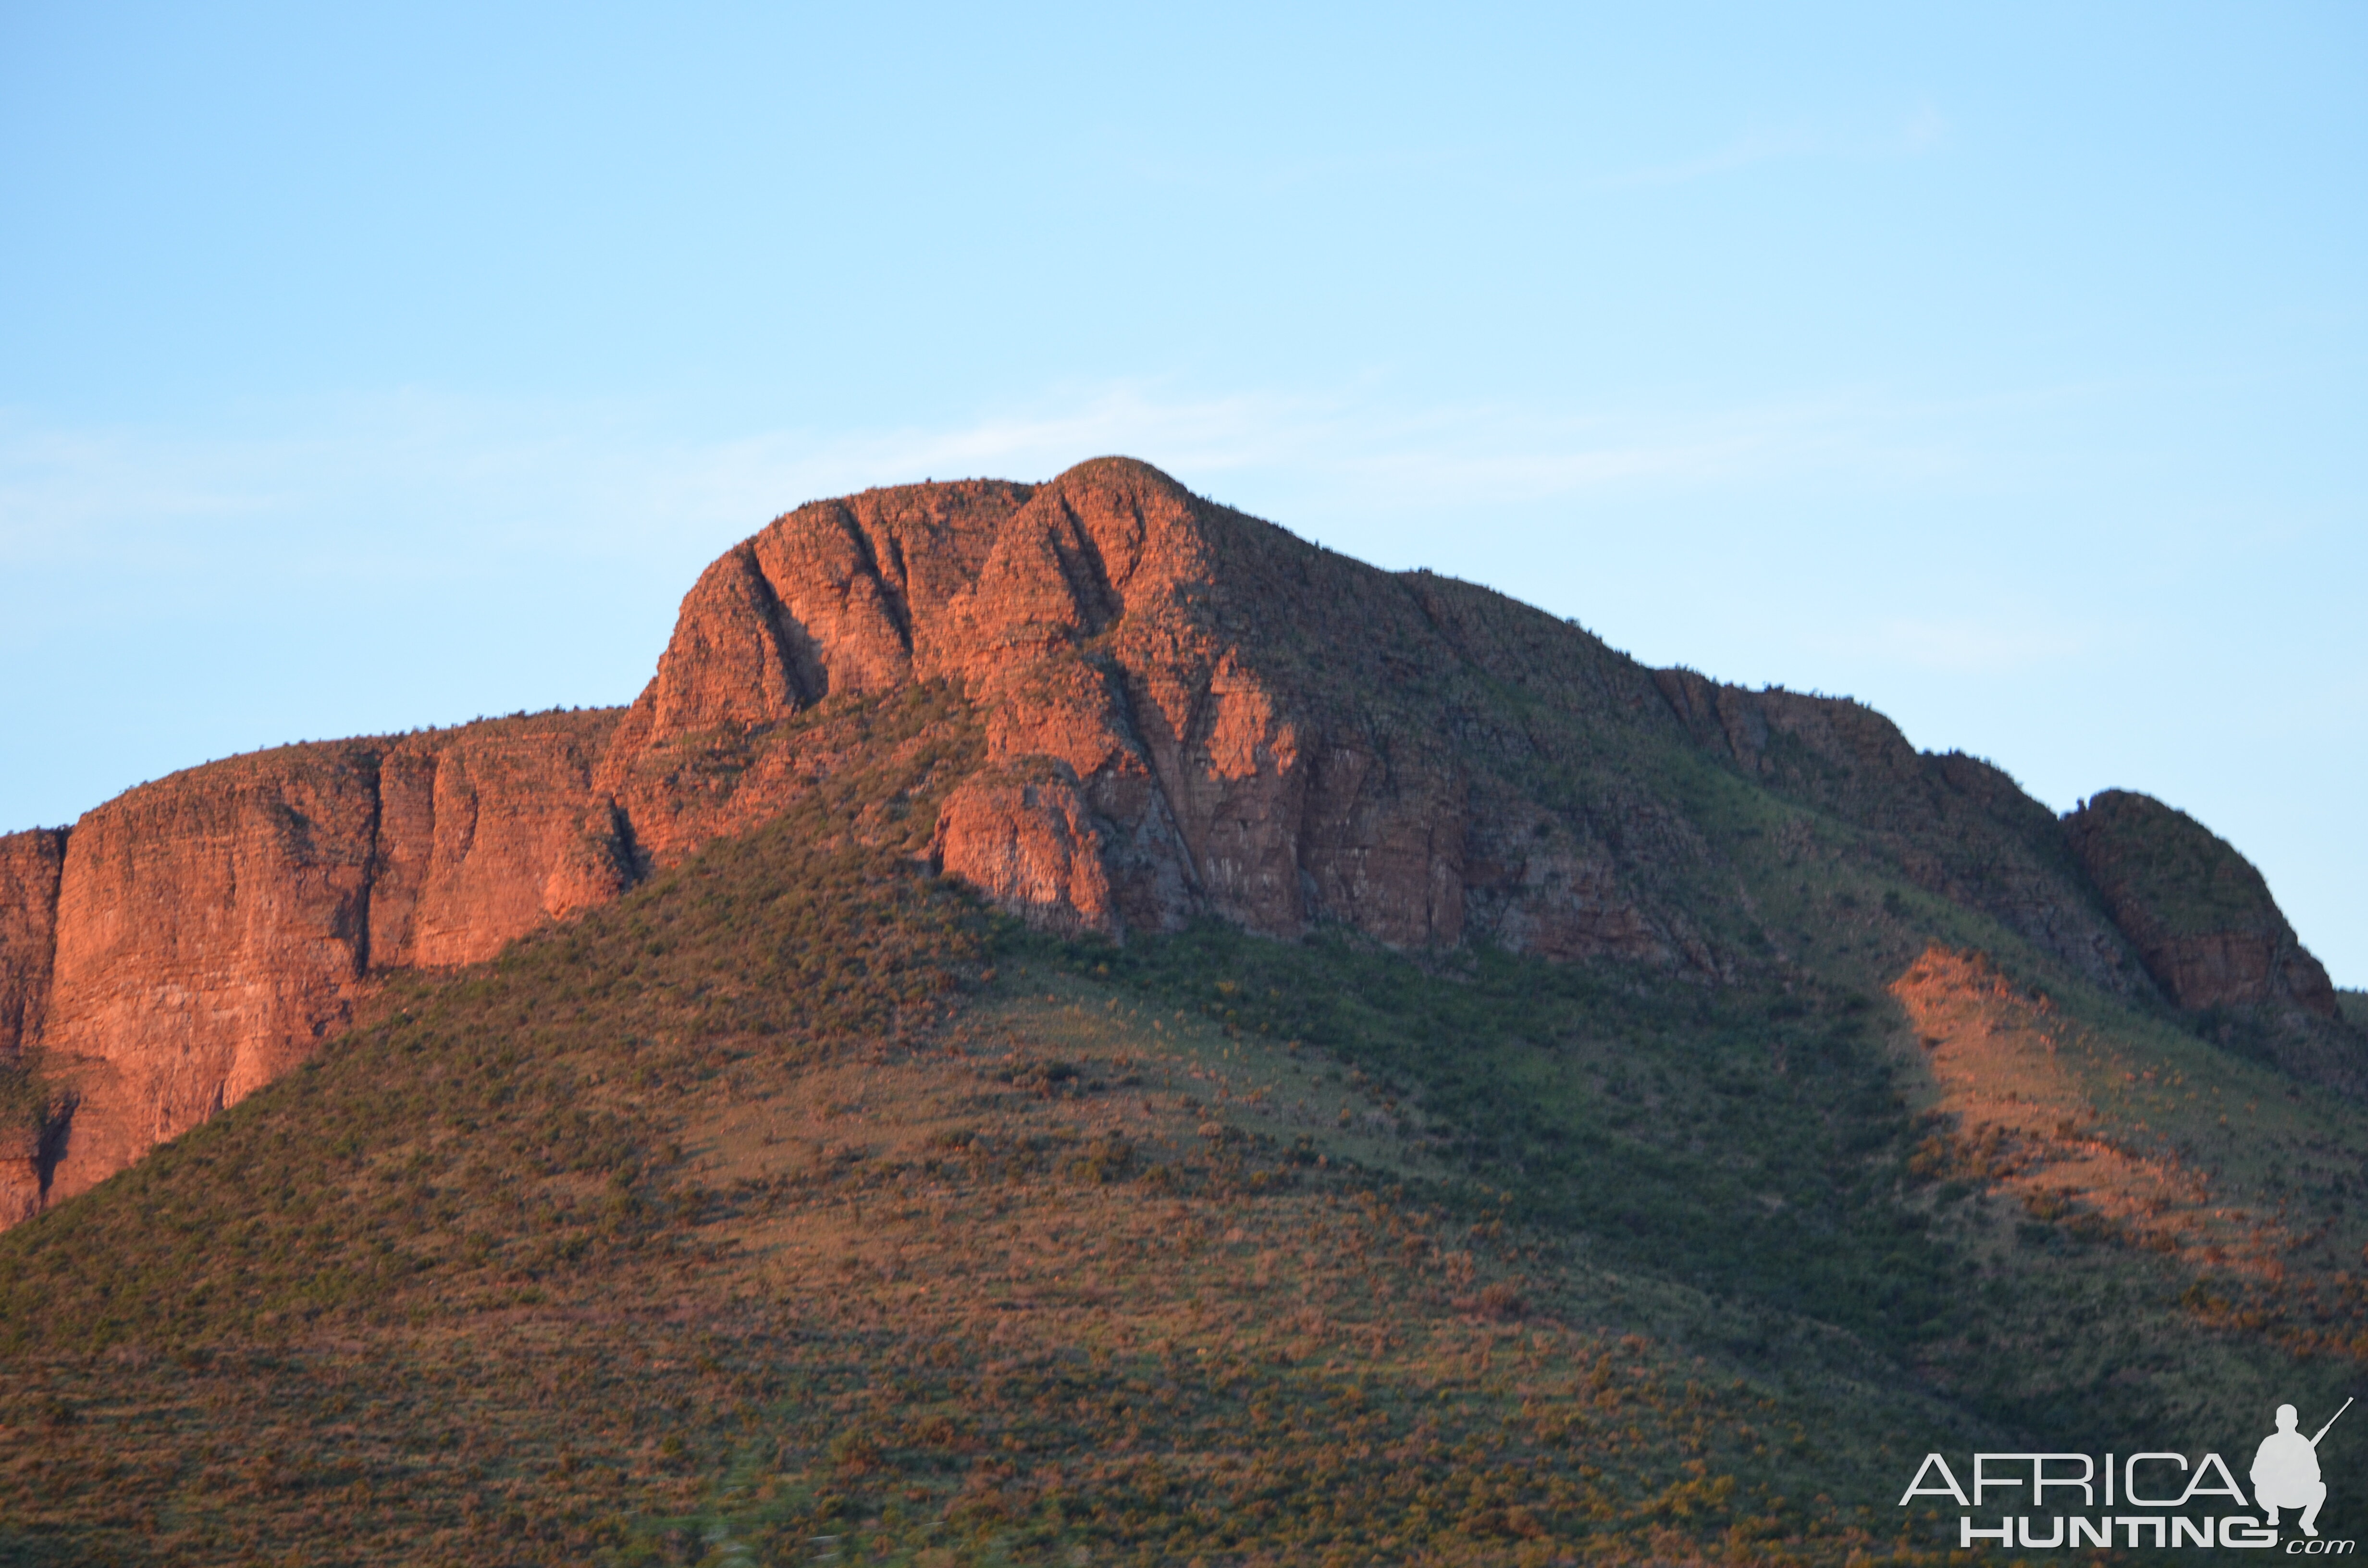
(1062, 1006)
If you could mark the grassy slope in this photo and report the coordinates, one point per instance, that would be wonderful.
(792, 1205)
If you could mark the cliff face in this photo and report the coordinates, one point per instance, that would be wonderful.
(2204, 922)
(30, 867)
(1189, 712)
(1953, 824)
(2199, 913)
(209, 928)
(212, 928)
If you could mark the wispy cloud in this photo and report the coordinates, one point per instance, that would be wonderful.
(1473, 452)
(409, 480)
(1743, 151)
(1922, 130)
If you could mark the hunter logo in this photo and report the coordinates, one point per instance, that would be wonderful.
(2155, 1500)
(2286, 1471)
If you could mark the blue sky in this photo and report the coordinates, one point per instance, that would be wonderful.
(2003, 367)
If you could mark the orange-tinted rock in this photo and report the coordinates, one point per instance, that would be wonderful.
(213, 928)
(22, 1190)
(1204, 679)
(1187, 712)
(30, 867)
(1023, 835)
(734, 659)
(825, 601)
(485, 832)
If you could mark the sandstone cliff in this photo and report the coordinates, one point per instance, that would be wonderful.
(1189, 713)
(212, 928)
(30, 867)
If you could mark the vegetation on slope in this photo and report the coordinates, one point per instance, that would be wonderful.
(1740, 1138)
(753, 1213)
(1789, 1153)
(2168, 868)
(794, 1209)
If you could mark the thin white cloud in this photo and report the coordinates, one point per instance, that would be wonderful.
(413, 477)
(1925, 128)
(1744, 152)
(1922, 130)
(1480, 453)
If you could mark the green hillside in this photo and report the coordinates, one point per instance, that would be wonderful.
(795, 1209)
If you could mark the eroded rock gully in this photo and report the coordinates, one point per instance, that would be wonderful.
(1189, 712)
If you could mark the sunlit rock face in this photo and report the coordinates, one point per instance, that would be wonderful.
(1187, 695)
(206, 932)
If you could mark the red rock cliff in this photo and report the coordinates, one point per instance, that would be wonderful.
(29, 866)
(1188, 711)
(212, 928)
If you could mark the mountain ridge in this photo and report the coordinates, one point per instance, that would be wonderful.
(1187, 713)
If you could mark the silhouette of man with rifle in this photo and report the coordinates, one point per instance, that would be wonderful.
(2286, 1471)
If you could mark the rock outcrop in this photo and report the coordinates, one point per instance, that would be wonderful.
(1187, 713)
(2200, 914)
(1952, 823)
(2203, 921)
